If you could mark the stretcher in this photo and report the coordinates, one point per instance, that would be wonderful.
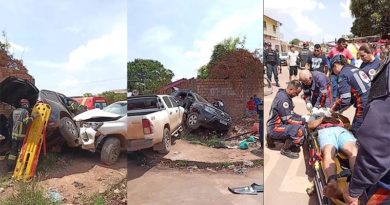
(27, 161)
(315, 162)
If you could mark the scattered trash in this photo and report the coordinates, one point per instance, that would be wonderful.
(54, 195)
(176, 152)
(248, 163)
(78, 185)
(192, 167)
(251, 139)
(231, 166)
(240, 170)
(2, 189)
(117, 191)
(211, 170)
(244, 145)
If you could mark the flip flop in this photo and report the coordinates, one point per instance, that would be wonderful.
(253, 189)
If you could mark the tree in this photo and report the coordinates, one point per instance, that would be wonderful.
(371, 17)
(220, 50)
(147, 76)
(295, 41)
(203, 72)
(87, 95)
(113, 97)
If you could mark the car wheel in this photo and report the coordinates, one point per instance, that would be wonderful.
(165, 146)
(193, 121)
(69, 131)
(110, 150)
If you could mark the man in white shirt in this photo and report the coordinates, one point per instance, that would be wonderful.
(292, 61)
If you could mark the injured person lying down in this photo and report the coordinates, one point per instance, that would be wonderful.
(333, 137)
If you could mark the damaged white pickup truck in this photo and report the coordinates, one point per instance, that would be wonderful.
(104, 131)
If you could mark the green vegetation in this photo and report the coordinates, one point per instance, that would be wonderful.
(27, 194)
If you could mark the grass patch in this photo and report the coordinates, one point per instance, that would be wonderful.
(96, 199)
(213, 141)
(108, 197)
(28, 194)
(4, 180)
(258, 163)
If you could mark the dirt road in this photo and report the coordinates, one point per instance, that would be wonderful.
(155, 181)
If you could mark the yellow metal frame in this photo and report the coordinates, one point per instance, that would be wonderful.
(31, 148)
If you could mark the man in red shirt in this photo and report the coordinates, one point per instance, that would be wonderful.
(251, 107)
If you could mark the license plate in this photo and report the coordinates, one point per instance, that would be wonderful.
(223, 122)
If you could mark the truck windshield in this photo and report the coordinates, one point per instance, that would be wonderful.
(117, 108)
(100, 105)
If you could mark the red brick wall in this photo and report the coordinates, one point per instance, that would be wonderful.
(234, 93)
(5, 72)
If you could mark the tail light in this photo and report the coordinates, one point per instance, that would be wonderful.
(148, 127)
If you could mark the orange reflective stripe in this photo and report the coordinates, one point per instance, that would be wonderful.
(380, 196)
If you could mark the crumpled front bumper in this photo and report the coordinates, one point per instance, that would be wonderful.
(87, 138)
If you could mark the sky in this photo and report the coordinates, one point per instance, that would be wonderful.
(181, 34)
(311, 20)
(69, 46)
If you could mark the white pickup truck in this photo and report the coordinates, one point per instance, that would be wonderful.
(152, 120)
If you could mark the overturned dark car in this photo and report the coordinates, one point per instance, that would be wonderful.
(201, 113)
(60, 123)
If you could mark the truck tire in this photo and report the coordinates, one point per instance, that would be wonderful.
(165, 146)
(193, 121)
(69, 132)
(110, 150)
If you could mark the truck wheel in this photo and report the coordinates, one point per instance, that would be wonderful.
(165, 146)
(110, 151)
(69, 131)
(193, 121)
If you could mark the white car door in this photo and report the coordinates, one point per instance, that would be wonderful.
(171, 112)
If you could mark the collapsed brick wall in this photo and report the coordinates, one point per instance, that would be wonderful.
(11, 67)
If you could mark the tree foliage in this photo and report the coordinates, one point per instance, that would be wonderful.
(371, 17)
(87, 95)
(113, 97)
(295, 41)
(220, 50)
(147, 76)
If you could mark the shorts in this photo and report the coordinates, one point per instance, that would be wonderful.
(293, 70)
(336, 136)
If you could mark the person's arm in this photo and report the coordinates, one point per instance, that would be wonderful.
(323, 87)
(325, 63)
(306, 94)
(312, 124)
(286, 113)
(308, 63)
(344, 91)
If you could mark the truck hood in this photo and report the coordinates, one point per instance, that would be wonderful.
(13, 89)
(96, 115)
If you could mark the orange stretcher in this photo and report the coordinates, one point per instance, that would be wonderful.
(27, 161)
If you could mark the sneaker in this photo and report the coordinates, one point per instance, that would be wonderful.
(289, 154)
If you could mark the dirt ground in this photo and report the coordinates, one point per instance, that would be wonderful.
(193, 174)
(77, 175)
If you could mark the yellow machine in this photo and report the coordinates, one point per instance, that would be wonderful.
(31, 148)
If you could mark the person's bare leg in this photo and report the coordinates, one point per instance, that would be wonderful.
(329, 166)
(350, 149)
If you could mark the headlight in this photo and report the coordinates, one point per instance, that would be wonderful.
(209, 110)
(93, 125)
